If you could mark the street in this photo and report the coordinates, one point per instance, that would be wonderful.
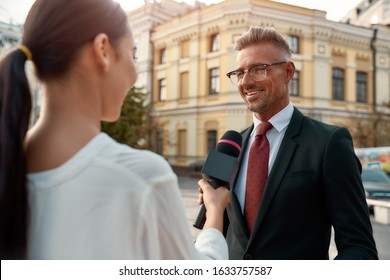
(188, 188)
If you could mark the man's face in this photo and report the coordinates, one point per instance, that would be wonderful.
(268, 96)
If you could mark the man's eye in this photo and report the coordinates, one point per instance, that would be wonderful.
(240, 74)
(257, 70)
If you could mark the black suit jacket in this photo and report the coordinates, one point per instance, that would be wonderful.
(315, 183)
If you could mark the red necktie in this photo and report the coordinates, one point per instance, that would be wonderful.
(257, 173)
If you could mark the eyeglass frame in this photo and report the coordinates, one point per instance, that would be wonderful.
(265, 65)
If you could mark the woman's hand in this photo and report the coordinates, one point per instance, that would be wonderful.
(215, 201)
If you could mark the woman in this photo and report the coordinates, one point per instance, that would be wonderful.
(69, 191)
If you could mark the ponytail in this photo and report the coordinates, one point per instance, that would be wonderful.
(52, 38)
(15, 108)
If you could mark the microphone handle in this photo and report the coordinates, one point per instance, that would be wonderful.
(201, 218)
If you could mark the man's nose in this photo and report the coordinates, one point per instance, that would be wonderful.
(247, 79)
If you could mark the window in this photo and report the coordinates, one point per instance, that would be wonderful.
(337, 84)
(184, 87)
(361, 87)
(214, 81)
(211, 139)
(293, 42)
(182, 142)
(162, 89)
(159, 142)
(214, 43)
(294, 84)
(163, 56)
(185, 48)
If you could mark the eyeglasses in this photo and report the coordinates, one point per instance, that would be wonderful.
(257, 72)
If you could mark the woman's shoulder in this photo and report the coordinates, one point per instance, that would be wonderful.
(144, 163)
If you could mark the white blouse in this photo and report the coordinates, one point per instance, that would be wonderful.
(111, 201)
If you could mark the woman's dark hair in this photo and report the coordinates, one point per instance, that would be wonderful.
(54, 32)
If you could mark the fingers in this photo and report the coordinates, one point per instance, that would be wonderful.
(203, 187)
(215, 201)
(200, 191)
(203, 184)
(216, 196)
(200, 199)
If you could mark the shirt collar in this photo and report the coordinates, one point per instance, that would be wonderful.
(279, 121)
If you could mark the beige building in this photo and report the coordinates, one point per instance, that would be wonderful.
(142, 21)
(368, 13)
(343, 74)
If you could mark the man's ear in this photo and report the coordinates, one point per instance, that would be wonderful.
(101, 49)
(290, 70)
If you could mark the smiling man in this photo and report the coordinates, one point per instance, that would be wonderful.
(300, 176)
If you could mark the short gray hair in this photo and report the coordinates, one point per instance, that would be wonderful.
(257, 34)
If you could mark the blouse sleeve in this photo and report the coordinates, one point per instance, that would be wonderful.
(175, 236)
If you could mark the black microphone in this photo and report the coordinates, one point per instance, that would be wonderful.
(220, 168)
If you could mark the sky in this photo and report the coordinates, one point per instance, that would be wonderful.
(15, 11)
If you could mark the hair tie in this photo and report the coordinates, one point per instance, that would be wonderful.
(26, 51)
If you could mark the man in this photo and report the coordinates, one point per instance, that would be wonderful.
(314, 179)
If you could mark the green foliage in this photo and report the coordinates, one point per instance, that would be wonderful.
(131, 127)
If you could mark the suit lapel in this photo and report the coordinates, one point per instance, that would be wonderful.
(245, 138)
(282, 161)
(234, 203)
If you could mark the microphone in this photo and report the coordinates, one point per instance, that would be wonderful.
(221, 167)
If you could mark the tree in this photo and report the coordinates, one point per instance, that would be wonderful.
(132, 126)
(370, 130)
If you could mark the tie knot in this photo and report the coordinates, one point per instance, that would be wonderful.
(263, 128)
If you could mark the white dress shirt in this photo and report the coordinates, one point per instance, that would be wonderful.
(275, 136)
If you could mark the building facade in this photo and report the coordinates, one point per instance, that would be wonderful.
(142, 21)
(368, 13)
(342, 78)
